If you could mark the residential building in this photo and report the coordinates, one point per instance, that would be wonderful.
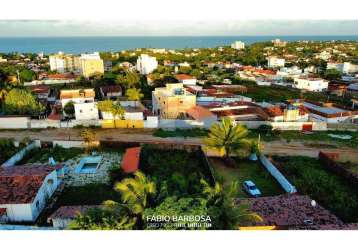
(172, 101)
(202, 114)
(62, 217)
(3, 60)
(292, 72)
(112, 92)
(238, 45)
(324, 55)
(345, 68)
(86, 111)
(146, 64)
(186, 79)
(275, 62)
(311, 84)
(91, 65)
(278, 43)
(62, 63)
(77, 96)
(25, 191)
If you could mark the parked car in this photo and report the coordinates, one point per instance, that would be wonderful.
(251, 189)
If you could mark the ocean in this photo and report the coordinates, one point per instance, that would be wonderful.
(76, 45)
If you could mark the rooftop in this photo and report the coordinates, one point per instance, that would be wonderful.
(200, 113)
(130, 162)
(70, 212)
(20, 184)
(290, 210)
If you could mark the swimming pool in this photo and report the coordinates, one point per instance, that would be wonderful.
(88, 165)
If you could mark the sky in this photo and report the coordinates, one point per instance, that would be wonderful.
(49, 28)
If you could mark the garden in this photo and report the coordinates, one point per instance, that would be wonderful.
(7, 149)
(311, 178)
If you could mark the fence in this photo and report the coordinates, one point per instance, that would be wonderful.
(337, 168)
(20, 155)
(285, 184)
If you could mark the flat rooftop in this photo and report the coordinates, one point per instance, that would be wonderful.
(325, 110)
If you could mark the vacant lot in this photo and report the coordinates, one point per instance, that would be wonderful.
(246, 170)
(330, 190)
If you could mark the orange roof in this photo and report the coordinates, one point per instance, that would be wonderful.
(130, 162)
(77, 93)
(200, 113)
(184, 77)
(65, 76)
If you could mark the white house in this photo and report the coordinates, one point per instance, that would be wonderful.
(146, 64)
(311, 84)
(25, 191)
(238, 45)
(275, 62)
(86, 111)
(293, 72)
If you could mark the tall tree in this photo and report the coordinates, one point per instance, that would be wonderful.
(227, 136)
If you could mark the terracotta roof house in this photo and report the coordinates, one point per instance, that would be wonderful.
(131, 159)
(202, 114)
(25, 190)
(290, 210)
(186, 79)
(65, 214)
(111, 91)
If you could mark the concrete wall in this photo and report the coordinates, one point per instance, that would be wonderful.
(15, 122)
(86, 111)
(20, 155)
(69, 144)
(45, 124)
(285, 184)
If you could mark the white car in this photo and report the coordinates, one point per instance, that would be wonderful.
(251, 189)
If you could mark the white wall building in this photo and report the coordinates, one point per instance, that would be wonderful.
(292, 72)
(146, 64)
(86, 111)
(238, 45)
(311, 84)
(25, 191)
(346, 67)
(275, 62)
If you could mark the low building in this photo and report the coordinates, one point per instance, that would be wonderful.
(42, 92)
(275, 62)
(25, 191)
(345, 68)
(278, 43)
(64, 215)
(328, 112)
(172, 101)
(288, 211)
(202, 114)
(112, 92)
(186, 79)
(77, 96)
(86, 111)
(311, 84)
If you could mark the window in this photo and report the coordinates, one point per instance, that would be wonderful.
(50, 181)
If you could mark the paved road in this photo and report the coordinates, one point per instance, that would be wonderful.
(145, 136)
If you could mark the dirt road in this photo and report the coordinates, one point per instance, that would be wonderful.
(145, 136)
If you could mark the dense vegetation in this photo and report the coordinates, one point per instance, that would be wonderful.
(330, 190)
(7, 149)
(176, 172)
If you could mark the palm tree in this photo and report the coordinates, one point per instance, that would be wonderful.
(136, 191)
(227, 136)
(229, 214)
(134, 94)
(256, 148)
(89, 137)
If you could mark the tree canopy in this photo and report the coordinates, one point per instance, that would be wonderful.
(22, 102)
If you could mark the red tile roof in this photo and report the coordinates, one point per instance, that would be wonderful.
(289, 210)
(111, 89)
(200, 113)
(70, 212)
(130, 162)
(274, 111)
(20, 184)
(181, 77)
(40, 89)
(65, 76)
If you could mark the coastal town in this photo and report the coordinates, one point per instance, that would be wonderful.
(259, 136)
